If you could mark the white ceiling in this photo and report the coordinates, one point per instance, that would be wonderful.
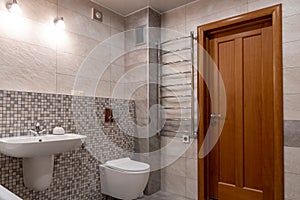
(125, 7)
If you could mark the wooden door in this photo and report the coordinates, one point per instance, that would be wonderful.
(242, 165)
(243, 158)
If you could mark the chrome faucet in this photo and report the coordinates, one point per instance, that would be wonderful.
(38, 130)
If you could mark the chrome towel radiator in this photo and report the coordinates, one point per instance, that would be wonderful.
(179, 81)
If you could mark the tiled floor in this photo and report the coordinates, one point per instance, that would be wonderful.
(163, 196)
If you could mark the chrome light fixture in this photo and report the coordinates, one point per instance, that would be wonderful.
(14, 8)
(60, 23)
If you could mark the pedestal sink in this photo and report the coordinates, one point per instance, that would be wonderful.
(38, 155)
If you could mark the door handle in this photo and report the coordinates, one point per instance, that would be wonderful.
(215, 116)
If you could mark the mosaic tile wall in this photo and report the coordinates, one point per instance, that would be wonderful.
(76, 173)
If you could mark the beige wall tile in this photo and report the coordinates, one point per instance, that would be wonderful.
(292, 107)
(198, 9)
(259, 4)
(52, 1)
(95, 69)
(191, 25)
(37, 30)
(76, 44)
(65, 84)
(192, 151)
(177, 168)
(88, 85)
(141, 145)
(21, 78)
(191, 168)
(117, 21)
(291, 54)
(291, 80)
(191, 189)
(173, 184)
(141, 108)
(33, 41)
(292, 186)
(140, 91)
(68, 63)
(137, 19)
(118, 91)
(117, 57)
(142, 124)
(106, 74)
(137, 73)
(292, 160)
(131, 91)
(27, 30)
(165, 140)
(115, 31)
(291, 28)
(173, 147)
(117, 39)
(289, 7)
(188, 173)
(103, 89)
(85, 8)
(204, 8)
(136, 58)
(174, 17)
(42, 11)
(168, 33)
(178, 29)
(100, 51)
(83, 25)
(3, 5)
(117, 71)
(221, 15)
(38, 10)
(21, 54)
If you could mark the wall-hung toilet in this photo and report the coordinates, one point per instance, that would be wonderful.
(124, 178)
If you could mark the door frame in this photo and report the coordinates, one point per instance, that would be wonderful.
(275, 12)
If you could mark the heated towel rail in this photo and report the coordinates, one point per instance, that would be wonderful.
(162, 52)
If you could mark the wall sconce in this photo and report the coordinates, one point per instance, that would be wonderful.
(14, 8)
(60, 23)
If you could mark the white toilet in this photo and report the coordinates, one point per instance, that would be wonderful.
(124, 178)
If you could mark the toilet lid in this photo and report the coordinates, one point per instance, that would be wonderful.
(126, 164)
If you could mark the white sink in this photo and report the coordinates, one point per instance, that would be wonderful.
(46, 145)
(38, 155)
